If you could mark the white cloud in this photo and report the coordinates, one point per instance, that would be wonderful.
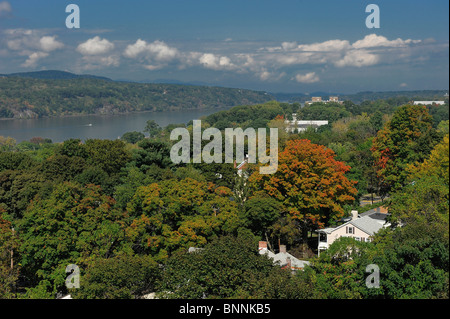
(133, 50)
(5, 8)
(95, 46)
(327, 46)
(34, 44)
(357, 58)
(307, 78)
(155, 51)
(160, 51)
(49, 43)
(373, 40)
(215, 62)
(33, 58)
(289, 45)
(272, 63)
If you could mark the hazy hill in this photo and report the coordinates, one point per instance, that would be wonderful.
(54, 75)
(57, 93)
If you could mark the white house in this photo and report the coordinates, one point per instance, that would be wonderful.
(361, 227)
(284, 259)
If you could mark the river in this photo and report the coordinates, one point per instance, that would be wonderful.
(94, 126)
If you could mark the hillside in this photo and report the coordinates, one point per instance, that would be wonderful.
(366, 96)
(26, 96)
(54, 75)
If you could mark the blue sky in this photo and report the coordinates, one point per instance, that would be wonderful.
(277, 46)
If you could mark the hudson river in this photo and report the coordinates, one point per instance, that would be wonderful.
(94, 126)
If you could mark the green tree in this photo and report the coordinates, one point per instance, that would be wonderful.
(133, 137)
(173, 214)
(339, 272)
(73, 225)
(120, 277)
(9, 267)
(110, 156)
(261, 212)
(151, 153)
(228, 267)
(407, 138)
(152, 128)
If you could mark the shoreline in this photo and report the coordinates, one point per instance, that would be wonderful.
(113, 114)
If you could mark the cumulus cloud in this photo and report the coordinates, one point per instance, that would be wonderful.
(358, 58)
(33, 58)
(340, 53)
(215, 62)
(26, 39)
(49, 43)
(272, 63)
(327, 46)
(134, 50)
(95, 46)
(373, 40)
(98, 53)
(34, 44)
(307, 78)
(154, 56)
(155, 51)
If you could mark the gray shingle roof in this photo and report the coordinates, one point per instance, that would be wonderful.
(368, 224)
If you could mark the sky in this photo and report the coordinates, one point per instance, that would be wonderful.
(289, 46)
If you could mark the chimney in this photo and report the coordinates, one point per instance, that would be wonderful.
(282, 248)
(294, 117)
(262, 247)
(289, 264)
(354, 214)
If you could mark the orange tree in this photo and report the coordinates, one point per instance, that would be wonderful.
(310, 184)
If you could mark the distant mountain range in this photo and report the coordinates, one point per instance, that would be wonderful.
(54, 75)
(43, 93)
(59, 93)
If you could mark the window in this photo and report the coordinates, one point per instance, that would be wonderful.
(350, 230)
(358, 238)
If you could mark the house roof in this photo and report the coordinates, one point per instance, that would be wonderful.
(282, 258)
(378, 210)
(369, 224)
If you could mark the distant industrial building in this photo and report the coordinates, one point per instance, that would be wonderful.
(318, 99)
(429, 102)
(301, 126)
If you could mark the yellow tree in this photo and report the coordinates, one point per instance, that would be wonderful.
(173, 214)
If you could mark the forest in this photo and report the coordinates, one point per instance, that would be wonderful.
(126, 215)
(24, 97)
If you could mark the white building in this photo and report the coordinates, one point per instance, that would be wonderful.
(318, 99)
(301, 126)
(361, 227)
(429, 102)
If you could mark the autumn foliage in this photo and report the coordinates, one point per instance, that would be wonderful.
(310, 183)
